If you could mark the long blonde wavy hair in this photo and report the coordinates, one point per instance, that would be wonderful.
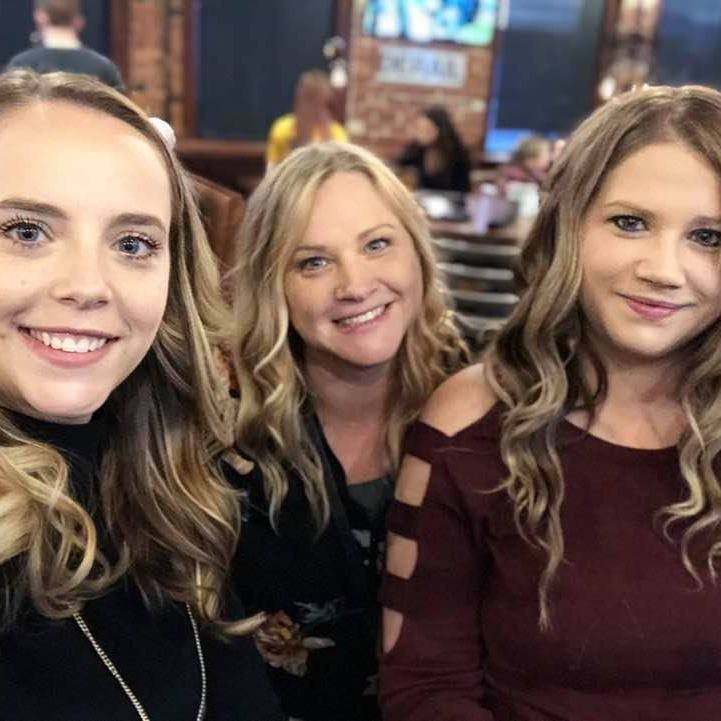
(266, 358)
(536, 363)
(173, 519)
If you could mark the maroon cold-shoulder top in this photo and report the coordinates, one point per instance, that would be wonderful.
(633, 639)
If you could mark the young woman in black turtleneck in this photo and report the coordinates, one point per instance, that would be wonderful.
(115, 531)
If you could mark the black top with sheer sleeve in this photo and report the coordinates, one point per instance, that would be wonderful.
(320, 589)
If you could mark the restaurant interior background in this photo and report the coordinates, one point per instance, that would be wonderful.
(220, 71)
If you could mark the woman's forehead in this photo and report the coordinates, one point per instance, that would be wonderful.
(80, 158)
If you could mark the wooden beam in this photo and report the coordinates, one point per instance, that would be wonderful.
(119, 36)
(191, 58)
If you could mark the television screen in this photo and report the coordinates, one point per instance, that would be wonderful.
(468, 22)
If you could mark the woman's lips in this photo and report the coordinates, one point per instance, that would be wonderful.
(77, 357)
(363, 320)
(652, 309)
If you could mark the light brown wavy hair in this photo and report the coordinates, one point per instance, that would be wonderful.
(266, 352)
(537, 364)
(173, 519)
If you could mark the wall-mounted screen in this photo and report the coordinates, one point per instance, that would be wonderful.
(466, 22)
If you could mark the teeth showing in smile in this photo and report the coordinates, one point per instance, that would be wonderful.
(365, 317)
(69, 343)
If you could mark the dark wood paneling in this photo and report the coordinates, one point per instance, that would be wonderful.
(250, 56)
(239, 165)
(16, 24)
(119, 35)
(191, 12)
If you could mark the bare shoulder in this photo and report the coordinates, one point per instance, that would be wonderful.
(461, 400)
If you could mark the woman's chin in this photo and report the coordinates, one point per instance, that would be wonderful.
(56, 409)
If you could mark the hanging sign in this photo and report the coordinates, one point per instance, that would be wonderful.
(422, 66)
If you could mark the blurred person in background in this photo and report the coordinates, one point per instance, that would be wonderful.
(310, 122)
(341, 332)
(529, 162)
(59, 24)
(436, 156)
(557, 147)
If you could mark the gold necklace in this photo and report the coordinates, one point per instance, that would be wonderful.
(128, 691)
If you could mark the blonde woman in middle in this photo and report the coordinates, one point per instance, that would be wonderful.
(341, 333)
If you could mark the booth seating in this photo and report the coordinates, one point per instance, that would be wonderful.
(486, 255)
(481, 280)
(222, 211)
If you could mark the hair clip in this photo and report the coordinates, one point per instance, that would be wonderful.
(165, 131)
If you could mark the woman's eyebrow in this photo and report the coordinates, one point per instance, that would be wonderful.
(627, 205)
(310, 248)
(368, 231)
(706, 220)
(138, 219)
(633, 208)
(28, 205)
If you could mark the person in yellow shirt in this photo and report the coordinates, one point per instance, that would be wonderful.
(310, 122)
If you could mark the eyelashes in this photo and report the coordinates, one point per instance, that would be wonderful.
(33, 229)
(132, 243)
(628, 223)
(633, 224)
(707, 237)
(32, 233)
(314, 263)
(376, 245)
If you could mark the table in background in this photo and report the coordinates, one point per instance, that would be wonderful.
(514, 233)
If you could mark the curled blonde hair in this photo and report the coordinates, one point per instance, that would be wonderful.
(271, 382)
(173, 519)
(536, 363)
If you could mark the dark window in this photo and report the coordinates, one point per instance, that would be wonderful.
(16, 24)
(250, 56)
(545, 74)
(97, 26)
(689, 43)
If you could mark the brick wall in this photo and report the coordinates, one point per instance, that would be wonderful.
(379, 115)
(154, 75)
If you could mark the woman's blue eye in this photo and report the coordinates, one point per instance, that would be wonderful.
(378, 244)
(27, 233)
(314, 263)
(707, 237)
(23, 232)
(628, 223)
(137, 246)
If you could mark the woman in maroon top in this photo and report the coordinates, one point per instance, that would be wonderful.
(556, 522)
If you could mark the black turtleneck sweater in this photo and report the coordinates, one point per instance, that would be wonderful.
(50, 672)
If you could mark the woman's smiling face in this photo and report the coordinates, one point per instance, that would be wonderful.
(354, 284)
(650, 254)
(85, 212)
